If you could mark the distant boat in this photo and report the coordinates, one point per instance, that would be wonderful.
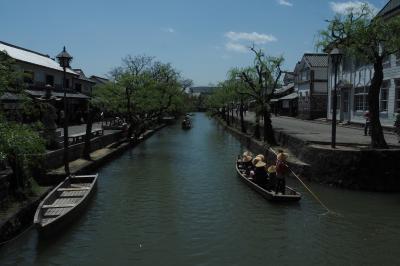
(64, 202)
(186, 124)
(290, 193)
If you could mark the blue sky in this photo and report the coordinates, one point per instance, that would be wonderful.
(201, 38)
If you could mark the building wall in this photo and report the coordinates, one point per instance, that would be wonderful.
(361, 78)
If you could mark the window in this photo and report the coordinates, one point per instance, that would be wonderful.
(78, 87)
(397, 103)
(386, 61)
(398, 58)
(383, 106)
(361, 99)
(28, 77)
(50, 80)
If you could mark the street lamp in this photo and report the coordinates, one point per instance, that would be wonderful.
(64, 59)
(336, 57)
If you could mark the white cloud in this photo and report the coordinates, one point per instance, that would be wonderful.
(346, 7)
(257, 38)
(236, 47)
(168, 30)
(284, 3)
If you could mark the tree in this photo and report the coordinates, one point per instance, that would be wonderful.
(143, 91)
(261, 79)
(370, 39)
(22, 148)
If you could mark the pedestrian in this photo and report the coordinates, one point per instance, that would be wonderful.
(367, 123)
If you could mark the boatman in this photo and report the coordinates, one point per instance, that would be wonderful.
(281, 172)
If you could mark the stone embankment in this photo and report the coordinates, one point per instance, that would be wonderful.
(347, 166)
(18, 218)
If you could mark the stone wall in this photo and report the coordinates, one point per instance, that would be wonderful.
(347, 167)
(54, 159)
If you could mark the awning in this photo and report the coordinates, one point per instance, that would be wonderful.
(291, 96)
(58, 94)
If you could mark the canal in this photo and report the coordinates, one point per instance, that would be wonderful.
(176, 200)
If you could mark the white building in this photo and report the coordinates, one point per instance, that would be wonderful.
(311, 84)
(354, 80)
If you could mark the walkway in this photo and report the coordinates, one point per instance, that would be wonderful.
(319, 131)
(80, 128)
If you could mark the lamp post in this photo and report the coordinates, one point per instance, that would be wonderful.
(64, 59)
(336, 57)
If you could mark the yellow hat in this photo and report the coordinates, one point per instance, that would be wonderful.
(256, 160)
(272, 169)
(282, 156)
(247, 153)
(246, 159)
(261, 157)
(260, 164)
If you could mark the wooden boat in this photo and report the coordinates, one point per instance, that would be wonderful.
(186, 124)
(289, 196)
(64, 202)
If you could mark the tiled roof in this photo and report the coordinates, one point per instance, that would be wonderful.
(316, 60)
(25, 55)
(390, 7)
(82, 75)
(98, 80)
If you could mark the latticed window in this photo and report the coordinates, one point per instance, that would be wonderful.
(361, 98)
(383, 106)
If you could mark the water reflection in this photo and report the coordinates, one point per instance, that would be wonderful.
(176, 200)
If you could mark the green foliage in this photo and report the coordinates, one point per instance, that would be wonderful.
(361, 35)
(10, 77)
(143, 88)
(21, 147)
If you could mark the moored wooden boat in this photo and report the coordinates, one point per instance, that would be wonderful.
(64, 202)
(289, 196)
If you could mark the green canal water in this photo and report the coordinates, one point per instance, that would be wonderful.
(176, 200)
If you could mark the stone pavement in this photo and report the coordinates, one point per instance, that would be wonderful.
(316, 131)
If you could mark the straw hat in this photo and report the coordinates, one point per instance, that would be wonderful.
(256, 160)
(282, 156)
(261, 157)
(247, 153)
(272, 169)
(246, 159)
(260, 164)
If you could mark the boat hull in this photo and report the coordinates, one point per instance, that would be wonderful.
(64, 220)
(290, 196)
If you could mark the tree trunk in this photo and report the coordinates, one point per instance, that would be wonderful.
(242, 126)
(227, 119)
(268, 130)
(257, 127)
(89, 124)
(377, 137)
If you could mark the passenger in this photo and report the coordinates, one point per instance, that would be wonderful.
(281, 172)
(271, 178)
(247, 162)
(260, 175)
(261, 157)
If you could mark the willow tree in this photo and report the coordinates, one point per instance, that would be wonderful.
(261, 79)
(371, 40)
